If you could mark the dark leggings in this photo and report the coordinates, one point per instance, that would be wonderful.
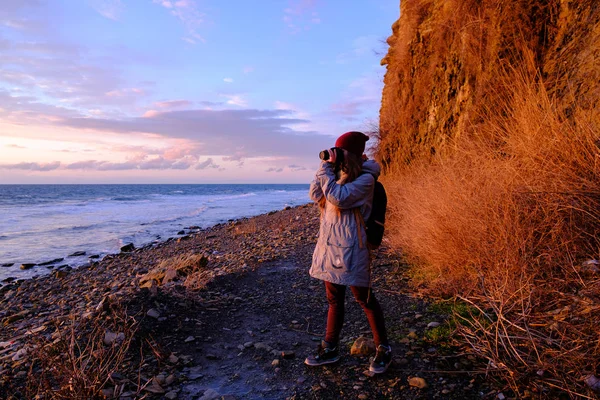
(335, 316)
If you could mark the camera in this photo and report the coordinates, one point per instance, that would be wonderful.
(334, 155)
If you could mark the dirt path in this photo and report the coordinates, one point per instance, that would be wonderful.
(246, 323)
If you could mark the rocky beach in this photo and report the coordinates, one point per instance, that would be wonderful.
(224, 312)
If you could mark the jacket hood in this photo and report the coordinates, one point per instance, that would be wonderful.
(372, 167)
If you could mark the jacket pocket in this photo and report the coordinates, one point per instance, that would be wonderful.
(340, 247)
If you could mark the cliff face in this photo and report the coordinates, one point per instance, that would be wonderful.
(447, 60)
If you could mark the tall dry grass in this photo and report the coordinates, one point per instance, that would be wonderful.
(505, 222)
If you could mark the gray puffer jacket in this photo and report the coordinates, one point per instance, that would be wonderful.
(339, 257)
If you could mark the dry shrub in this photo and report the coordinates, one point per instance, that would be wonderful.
(78, 364)
(184, 267)
(504, 223)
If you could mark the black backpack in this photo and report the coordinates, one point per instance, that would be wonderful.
(375, 224)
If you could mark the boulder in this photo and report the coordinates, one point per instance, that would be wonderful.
(56, 260)
(128, 248)
(27, 265)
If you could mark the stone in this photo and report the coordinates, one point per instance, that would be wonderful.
(189, 339)
(288, 355)
(59, 274)
(369, 374)
(170, 379)
(363, 396)
(128, 248)
(173, 359)
(275, 363)
(155, 388)
(20, 354)
(56, 260)
(210, 394)
(363, 347)
(171, 395)
(112, 337)
(170, 275)
(27, 266)
(6, 265)
(593, 382)
(417, 382)
(77, 254)
(433, 324)
(262, 346)
(153, 313)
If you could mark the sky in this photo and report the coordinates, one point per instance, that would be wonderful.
(184, 91)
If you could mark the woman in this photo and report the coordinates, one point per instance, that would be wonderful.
(344, 190)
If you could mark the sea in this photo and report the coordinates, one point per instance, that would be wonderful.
(41, 223)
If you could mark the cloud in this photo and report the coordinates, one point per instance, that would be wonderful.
(15, 146)
(186, 11)
(273, 169)
(295, 167)
(32, 166)
(173, 104)
(235, 134)
(228, 80)
(110, 9)
(155, 163)
(235, 100)
(208, 163)
(300, 15)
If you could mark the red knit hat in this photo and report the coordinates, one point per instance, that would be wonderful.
(352, 142)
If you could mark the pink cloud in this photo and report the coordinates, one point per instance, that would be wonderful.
(173, 104)
(32, 166)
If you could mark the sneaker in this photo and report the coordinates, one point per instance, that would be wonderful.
(382, 360)
(325, 355)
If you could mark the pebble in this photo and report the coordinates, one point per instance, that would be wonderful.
(275, 363)
(112, 337)
(433, 324)
(210, 394)
(363, 396)
(153, 313)
(189, 339)
(417, 382)
(171, 395)
(288, 355)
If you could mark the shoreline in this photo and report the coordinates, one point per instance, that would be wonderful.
(91, 257)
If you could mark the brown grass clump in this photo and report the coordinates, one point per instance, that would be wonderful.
(80, 362)
(189, 268)
(505, 223)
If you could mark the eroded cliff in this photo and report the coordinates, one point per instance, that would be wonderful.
(448, 59)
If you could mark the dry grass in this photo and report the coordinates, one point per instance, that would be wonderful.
(505, 222)
(190, 268)
(78, 364)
